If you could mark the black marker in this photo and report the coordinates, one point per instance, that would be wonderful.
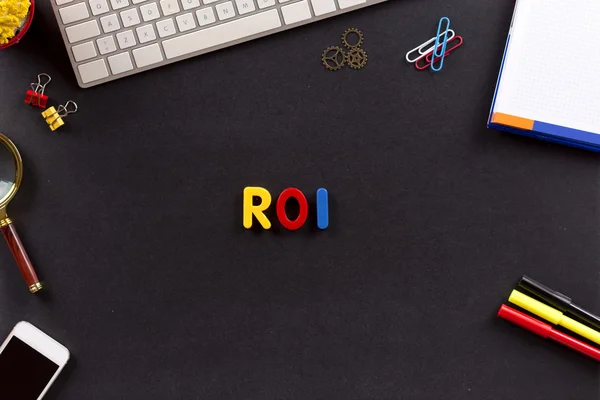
(559, 301)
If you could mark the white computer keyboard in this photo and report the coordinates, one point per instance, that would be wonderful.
(111, 39)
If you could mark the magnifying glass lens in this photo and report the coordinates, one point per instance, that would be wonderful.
(8, 171)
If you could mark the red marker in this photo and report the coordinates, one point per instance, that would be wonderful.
(546, 331)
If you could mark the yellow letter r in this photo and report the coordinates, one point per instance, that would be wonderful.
(258, 211)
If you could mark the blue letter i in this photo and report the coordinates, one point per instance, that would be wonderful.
(322, 209)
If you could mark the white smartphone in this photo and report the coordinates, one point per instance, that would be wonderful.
(30, 361)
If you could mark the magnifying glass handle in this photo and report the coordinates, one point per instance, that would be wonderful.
(18, 251)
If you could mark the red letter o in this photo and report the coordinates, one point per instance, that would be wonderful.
(302, 215)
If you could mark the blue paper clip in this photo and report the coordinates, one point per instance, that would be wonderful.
(422, 51)
(439, 49)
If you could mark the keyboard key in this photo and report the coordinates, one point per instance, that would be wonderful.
(350, 3)
(99, 7)
(126, 39)
(165, 28)
(265, 3)
(146, 33)
(110, 23)
(210, 1)
(74, 13)
(169, 7)
(150, 12)
(120, 63)
(296, 12)
(106, 45)
(138, 1)
(93, 71)
(130, 17)
(63, 2)
(225, 10)
(189, 4)
(148, 55)
(220, 34)
(84, 31)
(245, 6)
(206, 16)
(118, 4)
(84, 51)
(322, 7)
(185, 22)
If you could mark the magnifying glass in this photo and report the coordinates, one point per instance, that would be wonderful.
(11, 173)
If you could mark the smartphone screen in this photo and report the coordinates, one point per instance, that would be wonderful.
(24, 372)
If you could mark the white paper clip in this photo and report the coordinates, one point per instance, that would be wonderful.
(424, 53)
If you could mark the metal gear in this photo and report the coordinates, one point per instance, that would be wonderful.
(356, 58)
(333, 58)
(350, 32)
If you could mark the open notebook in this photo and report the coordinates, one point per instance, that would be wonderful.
(549, 83)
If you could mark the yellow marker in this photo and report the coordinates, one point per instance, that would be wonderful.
(258, 211)
(552, 315)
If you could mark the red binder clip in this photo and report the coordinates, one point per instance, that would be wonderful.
(35, 96)
(449, 50)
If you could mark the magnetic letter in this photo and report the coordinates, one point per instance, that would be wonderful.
(258, 211)
(282, 200)
(322, 208)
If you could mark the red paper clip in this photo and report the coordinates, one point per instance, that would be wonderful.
(459, 39)
(35, 96)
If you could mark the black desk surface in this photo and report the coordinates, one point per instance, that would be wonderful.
(132, 214)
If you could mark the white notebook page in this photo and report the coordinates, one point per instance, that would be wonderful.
(552, 68)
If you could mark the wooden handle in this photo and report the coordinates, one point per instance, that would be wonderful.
(18, 251)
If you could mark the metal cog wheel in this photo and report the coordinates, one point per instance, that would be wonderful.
(333, 58)
(350, 32)
(356, 58)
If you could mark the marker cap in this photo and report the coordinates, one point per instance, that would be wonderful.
(543, 292)
(525, 321)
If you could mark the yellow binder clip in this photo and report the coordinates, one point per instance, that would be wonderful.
(54, 117)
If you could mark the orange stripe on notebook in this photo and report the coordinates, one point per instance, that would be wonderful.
(510, 120)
